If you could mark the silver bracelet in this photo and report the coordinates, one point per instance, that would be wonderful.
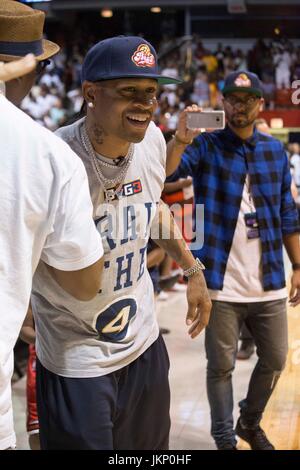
(198, 266)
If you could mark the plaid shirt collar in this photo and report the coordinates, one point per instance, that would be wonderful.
(233, 140)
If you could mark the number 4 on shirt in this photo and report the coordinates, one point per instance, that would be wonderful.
(112, 323)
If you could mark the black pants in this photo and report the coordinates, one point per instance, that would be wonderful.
(125, 410)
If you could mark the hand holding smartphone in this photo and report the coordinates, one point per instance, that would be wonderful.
(205, 120)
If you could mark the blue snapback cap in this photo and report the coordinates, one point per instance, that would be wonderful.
(243, 81)
(123, 57)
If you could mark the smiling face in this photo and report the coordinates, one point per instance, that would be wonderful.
(122, 107)
(242, 108)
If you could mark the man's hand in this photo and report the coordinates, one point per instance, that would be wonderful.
(183, 137)
(294, 299)
(199, 305)
(17, 68)
(183, 134)
(186, 182)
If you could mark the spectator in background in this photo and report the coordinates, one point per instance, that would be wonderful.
(76, 99)
(210, 62)
(172, 118)
(171, 70)
(219, 53)
(294, 151)
(247, 346)
(240, 61)
(269, 89)
(243, 178)
(56, 116)
(169, 95)
(228, 61)
(282, 63)
(296, 66)
(201, 92)
(52, 80)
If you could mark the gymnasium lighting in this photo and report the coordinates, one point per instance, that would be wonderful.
(155, 10)
(277, 31)
(106, 13)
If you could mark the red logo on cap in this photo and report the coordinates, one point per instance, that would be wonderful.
(143, 57)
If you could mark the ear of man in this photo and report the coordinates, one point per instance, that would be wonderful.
(261, 105)
(89, 91)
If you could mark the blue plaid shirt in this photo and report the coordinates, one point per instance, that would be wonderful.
(219, 162)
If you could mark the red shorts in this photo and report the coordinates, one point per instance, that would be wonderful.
(32, 417)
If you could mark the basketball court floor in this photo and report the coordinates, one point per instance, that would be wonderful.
(189, 407)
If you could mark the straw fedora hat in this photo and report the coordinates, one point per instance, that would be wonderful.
(21, 32)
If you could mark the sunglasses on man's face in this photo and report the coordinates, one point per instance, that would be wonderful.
(41, 66)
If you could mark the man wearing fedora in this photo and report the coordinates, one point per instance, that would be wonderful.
(243, 178)
(103, 383)
(45, 206)
(21, 33)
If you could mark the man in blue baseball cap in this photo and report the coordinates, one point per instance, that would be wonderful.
(123, 73)
(243, 178)
(103, 384)
(247, 82)
(123, 57)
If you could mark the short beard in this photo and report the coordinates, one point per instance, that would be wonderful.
(241, 125)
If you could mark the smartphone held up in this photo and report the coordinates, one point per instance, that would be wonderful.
(206, 120)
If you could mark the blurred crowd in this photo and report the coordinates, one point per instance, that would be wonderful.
(57, 97)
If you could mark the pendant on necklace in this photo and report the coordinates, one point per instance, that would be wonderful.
(109, 195)
(113, 193)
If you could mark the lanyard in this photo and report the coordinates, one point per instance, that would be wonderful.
(249, 200)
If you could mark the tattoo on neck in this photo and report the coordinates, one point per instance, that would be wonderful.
(98, 133)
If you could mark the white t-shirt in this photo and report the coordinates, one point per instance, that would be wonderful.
(107, 333)
(46, 213)
(243, 276)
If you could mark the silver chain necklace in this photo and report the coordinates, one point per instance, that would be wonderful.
(112, 187)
